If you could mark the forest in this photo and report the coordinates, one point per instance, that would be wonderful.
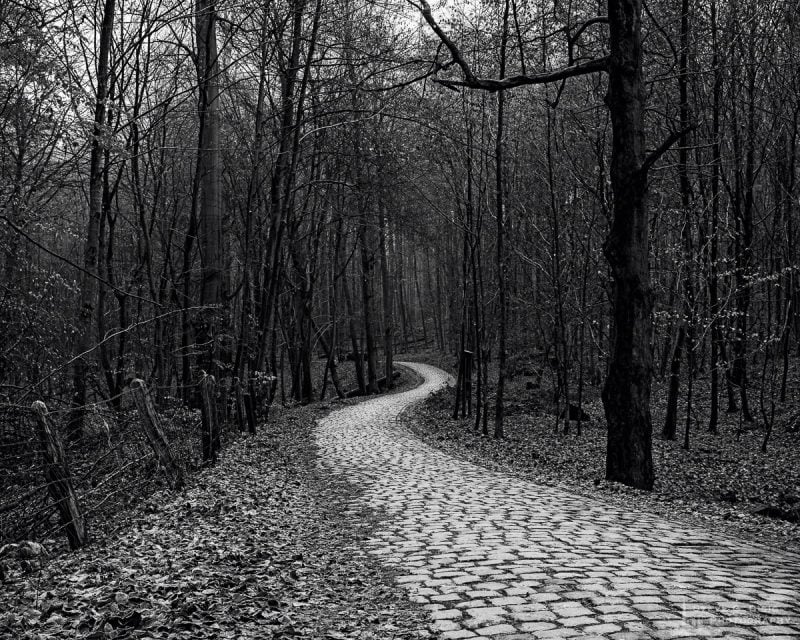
(214, 215)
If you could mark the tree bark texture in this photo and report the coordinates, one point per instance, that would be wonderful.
(626, 393)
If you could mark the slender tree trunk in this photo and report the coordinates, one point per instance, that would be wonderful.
(253, 188)
(386, 287)
(502, 265)
(368, 296)
(685, 331)
(671, 418)
(713, 242)
(89, 289)
(282, 178)
(420, 304)
(358, 361)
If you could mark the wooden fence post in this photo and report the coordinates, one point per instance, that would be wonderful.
(250, 413)
(59, 480)
(209, 413)
(241, 412)
(151, 425)
(223, 393)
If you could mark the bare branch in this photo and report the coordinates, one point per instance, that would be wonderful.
(573, 38)
(659, 151)
(592, 21)
(489, 84)
(455, 52)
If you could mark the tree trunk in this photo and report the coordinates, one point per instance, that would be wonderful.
(626, 393)
(386, 286)
(358, 362)
(502, 265)
(671, 419)
(88, 295)
(211, 319)
(713, 243)
(368, 295)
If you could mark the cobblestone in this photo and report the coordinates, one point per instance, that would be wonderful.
(504, 558)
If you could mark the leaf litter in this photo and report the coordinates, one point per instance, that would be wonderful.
(258, 546)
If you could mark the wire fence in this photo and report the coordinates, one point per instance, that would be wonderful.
(130, 446)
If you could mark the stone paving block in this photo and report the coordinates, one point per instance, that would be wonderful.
(490, 586)
(483, 593)
(577, 621)
(602, 628)
(496, 630)
(446, 614)
(544, 597)
(569, 609)
(577, 595)
(460, 634)
(649, 607)
(506, 601)
(445, 625)
(486, 613)
(472, 604)
(558, 633)
(541, 625)
(446, 597)
(618, 617)
(533, 616)
(775, 630)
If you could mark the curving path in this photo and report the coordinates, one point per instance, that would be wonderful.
(494, 556)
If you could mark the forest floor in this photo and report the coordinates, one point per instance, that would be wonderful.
(721, 481)
(256, 547)
(266, 544)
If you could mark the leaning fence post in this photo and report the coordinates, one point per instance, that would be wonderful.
(151, 425)
(59, 480)
(211, 442)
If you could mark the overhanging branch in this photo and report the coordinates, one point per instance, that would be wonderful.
(490, 84)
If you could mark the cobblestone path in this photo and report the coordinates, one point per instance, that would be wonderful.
(494, 556)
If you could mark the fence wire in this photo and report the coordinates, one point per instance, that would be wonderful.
(112, 465)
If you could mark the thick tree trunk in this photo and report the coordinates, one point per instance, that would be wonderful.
(626, 393)
(211, 320)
